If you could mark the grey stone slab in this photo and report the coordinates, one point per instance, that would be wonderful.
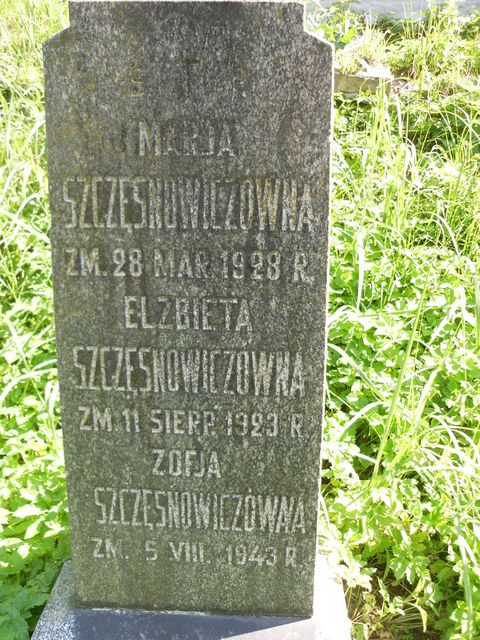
(62, 620)
(189, 163)
(404, 8)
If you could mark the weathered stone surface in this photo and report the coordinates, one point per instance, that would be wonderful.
(188, 150)
(400, 9)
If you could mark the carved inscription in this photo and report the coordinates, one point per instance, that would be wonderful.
(173, 138)
(205, 314)
(235, 266)
(159, 206)
(153, 508)
(189, 188)
(197, 138)
(181, 204)
(189, 422)
(236, 555)
(151, 371)
(192, 371)
(188, 203)
(189, 463)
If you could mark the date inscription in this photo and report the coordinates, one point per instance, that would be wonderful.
(169, 264)
(259, 425)
(234, 555)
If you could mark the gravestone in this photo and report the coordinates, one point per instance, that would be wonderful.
(188, 155)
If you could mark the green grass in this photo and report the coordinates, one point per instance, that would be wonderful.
(33, 520)
(402, 440)
(403, 401)
(401, 506)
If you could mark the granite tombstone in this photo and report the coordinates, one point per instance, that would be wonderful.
(188, 157)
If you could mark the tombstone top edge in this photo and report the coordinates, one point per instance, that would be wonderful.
(79, 10)
(76, 2)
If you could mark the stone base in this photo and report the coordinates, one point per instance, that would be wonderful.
(367, 81)
(62, 620)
